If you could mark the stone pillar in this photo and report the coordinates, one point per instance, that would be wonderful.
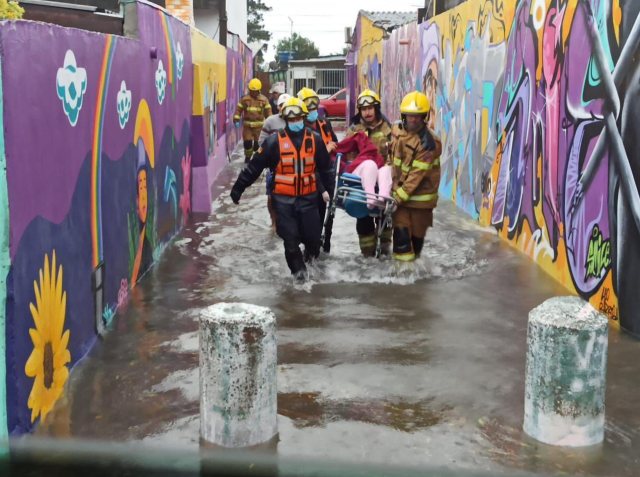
(567, 344)
(238, 367)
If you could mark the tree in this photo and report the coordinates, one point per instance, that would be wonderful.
(344, 52)
(303, 47)
(255, 20)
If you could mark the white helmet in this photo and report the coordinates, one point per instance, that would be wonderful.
(282, 99)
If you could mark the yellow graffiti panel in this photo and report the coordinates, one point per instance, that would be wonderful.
(370, 48)
(210, 71)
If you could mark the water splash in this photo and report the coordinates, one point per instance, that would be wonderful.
(242, 245)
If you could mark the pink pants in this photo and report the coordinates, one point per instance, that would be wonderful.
(370, 175)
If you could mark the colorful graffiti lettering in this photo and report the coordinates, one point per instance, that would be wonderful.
(535, 138)
(599, 256)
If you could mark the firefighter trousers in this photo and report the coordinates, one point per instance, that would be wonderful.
(366, 229)
(250, 141)
(409, 229)
(297, 223)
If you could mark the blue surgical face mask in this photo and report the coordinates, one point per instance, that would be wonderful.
(296, 127)
(312, 116)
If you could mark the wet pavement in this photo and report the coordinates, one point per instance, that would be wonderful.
(426, 368)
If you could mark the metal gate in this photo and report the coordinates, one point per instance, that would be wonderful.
(326, 82)
(329, 82)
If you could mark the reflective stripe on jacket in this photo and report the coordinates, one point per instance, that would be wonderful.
(415, 157)
(295, 174)
(255, 110)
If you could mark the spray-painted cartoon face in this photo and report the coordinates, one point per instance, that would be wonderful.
(142, 195)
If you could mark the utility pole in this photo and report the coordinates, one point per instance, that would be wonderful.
(428, 11)
(291, 40)
(222, 14)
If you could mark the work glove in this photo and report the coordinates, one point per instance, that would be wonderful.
(237, 123)
(325, 197)
(235, 196)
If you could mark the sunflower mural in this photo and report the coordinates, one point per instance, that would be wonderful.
(48, 360)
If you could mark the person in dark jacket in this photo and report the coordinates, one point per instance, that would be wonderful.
(301, 168)
(325, 129)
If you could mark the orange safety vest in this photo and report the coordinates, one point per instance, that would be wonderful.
(326, 135)
(295, 174)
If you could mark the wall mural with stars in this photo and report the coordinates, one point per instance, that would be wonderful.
(99, 181)
(535, 103)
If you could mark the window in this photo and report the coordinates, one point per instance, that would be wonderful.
(342, 96)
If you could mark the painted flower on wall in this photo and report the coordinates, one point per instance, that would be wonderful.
(161, 82)
(179, 60)
(48, 360)
(71, 83)
(123, 294)
(124, 104)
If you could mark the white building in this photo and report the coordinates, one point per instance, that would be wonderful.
(207, 15)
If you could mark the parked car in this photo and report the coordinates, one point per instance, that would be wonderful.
(336, 105)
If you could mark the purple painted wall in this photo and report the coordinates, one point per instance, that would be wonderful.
(209, 165)
(98, 170)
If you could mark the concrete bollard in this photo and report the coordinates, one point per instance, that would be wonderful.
(567, 344)
(238, 368)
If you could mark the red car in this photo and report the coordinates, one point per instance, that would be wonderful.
(336, 105)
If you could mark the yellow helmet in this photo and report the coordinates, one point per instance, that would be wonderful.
(255, 85)
(309, 97)
(415, 103)
(294, 108)
(368, 98)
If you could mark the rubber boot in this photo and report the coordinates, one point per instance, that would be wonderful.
(294, 258)
(311, 251)
(402, 245)
(367, 245)
(417, 243)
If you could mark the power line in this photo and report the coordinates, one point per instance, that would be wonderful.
(283, 15)
(307, 31)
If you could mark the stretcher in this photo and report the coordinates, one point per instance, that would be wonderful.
(350, 196)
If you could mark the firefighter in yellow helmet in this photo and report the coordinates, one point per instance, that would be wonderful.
(371, 122)
(324, 128)
(415, 157)
(299, 161)
(255, 108)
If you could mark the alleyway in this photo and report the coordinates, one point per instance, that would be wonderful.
(423, 370)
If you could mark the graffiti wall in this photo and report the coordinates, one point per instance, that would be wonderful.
(221, 76)
(552, 112)
(208, 140)
(239, 73)
(366, 60)
(400, 68)
(98, 170)
(537, 140)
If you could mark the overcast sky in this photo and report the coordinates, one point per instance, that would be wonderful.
(323, 21)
